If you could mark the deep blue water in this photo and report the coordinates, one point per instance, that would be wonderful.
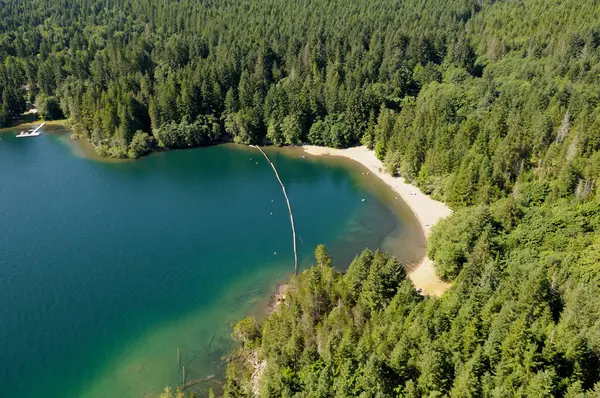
(106, 268)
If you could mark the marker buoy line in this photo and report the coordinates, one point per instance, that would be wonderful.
(288, 205)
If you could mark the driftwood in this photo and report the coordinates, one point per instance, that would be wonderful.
(200, 349)
(193, 382)
(244, 295)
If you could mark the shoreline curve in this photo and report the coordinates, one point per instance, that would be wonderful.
(427, 211)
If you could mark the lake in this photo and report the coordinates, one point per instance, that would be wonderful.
(107, 268)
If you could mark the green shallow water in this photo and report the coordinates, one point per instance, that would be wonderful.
(107, 268)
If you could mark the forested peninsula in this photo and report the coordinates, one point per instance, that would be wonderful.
(490, 106)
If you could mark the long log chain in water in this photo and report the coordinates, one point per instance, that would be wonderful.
(288, 205)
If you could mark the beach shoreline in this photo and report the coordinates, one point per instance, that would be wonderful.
(27, 125)
(426, 210)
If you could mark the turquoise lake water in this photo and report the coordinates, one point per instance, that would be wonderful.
(107, 268)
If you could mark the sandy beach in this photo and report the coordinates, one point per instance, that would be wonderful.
(427, 210)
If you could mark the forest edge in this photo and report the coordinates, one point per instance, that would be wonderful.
(427, 210)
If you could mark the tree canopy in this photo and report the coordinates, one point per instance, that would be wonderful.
(490, 106)
(266, 71)
(522, 319)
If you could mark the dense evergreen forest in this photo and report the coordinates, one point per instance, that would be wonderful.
(490, 106)
(134, 74)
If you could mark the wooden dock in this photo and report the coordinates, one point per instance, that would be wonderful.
(39, 127)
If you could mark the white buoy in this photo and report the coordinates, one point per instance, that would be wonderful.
(363, 200)
(287, 199)
(274, 252)
(271, 213)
